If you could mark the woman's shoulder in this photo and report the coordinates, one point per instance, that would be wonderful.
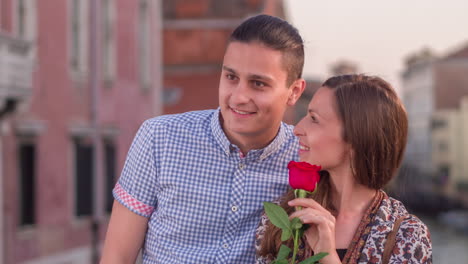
(392, 209)
(413, 242)
(413, 239)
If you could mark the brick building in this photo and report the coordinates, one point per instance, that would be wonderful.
(78, 77)
(195, 38)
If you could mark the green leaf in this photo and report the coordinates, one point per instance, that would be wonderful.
(283, 252)
(314, 258)
(277, 215)
(283, 261)
(285, 234)
(296, 223)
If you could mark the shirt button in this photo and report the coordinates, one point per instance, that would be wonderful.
(241, 166)
(234, 208)
(225, 246)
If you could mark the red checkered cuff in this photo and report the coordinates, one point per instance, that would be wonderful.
(133, 204)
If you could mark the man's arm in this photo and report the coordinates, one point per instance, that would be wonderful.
(125, 236)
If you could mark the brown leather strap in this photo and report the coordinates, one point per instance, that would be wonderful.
(390, 243)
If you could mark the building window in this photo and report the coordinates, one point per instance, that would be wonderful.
(443, 146)
(84, 193)
(144, 43)
(75, 31)
(25, 19)
(78, 40)
(110, 169)
(27, 183)
(21, 18)
(108, 40)
(438, 123)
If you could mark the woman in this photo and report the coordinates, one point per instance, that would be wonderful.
(356, 129)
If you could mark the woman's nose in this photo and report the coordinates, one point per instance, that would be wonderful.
(298, 130)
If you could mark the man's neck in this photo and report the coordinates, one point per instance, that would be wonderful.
(248, 143)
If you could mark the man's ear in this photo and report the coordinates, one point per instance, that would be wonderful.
(296, 90)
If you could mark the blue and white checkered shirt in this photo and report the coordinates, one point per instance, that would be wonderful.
(203, 199)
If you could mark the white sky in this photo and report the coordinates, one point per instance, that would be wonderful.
(377, 35)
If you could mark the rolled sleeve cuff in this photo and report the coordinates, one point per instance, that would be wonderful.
(131, 203)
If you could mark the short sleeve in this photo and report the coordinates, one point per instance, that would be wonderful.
(413, 243)
(136, 188)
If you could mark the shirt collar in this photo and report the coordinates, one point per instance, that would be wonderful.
(227, 147)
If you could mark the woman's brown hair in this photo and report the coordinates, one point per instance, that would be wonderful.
(375, 124)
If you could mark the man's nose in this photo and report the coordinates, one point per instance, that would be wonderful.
(240, 94)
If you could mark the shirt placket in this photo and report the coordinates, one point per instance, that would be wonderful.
(235, 210)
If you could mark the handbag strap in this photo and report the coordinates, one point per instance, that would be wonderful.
(390, 243)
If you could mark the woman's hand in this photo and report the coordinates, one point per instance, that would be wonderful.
(321, 233)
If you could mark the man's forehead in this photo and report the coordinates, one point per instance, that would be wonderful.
(254, 59)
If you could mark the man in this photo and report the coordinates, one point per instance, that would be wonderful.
(193, 184)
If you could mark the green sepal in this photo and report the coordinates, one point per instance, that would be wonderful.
(296, 223)
(315, 190)
(300, 193)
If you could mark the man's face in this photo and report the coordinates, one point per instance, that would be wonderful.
(253, 95)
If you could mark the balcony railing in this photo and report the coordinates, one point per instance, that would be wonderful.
(16, 65)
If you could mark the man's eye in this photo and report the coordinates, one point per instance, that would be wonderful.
(258, 83)
(230, 77)
(314, 119)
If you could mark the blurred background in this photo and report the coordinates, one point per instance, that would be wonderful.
(78, 77)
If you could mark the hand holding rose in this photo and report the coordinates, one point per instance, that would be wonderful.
(304, 178)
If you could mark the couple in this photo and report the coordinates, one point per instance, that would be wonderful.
(193, 184)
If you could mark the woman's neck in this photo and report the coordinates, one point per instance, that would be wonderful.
(349, 197)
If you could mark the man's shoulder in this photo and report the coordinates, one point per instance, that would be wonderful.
(181, 119)
(291, 141)
(288, 129)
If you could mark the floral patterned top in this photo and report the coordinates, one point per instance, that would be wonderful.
(412, 243)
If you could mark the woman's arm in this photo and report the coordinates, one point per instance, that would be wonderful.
(125, 236)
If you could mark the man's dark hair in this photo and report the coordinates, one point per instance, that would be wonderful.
(276, 34)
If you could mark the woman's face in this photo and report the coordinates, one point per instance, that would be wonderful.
(320, 133)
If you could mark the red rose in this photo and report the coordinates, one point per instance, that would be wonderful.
(303, 175)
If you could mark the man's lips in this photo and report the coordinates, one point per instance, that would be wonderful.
(241, 112)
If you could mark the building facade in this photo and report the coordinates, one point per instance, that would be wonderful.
(433, 89)
(95, 75)
(16, 66)
(450, 149)
(418, 97)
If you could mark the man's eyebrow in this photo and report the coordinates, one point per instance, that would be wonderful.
(228, 69)
(251, 76)
(261, 77)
